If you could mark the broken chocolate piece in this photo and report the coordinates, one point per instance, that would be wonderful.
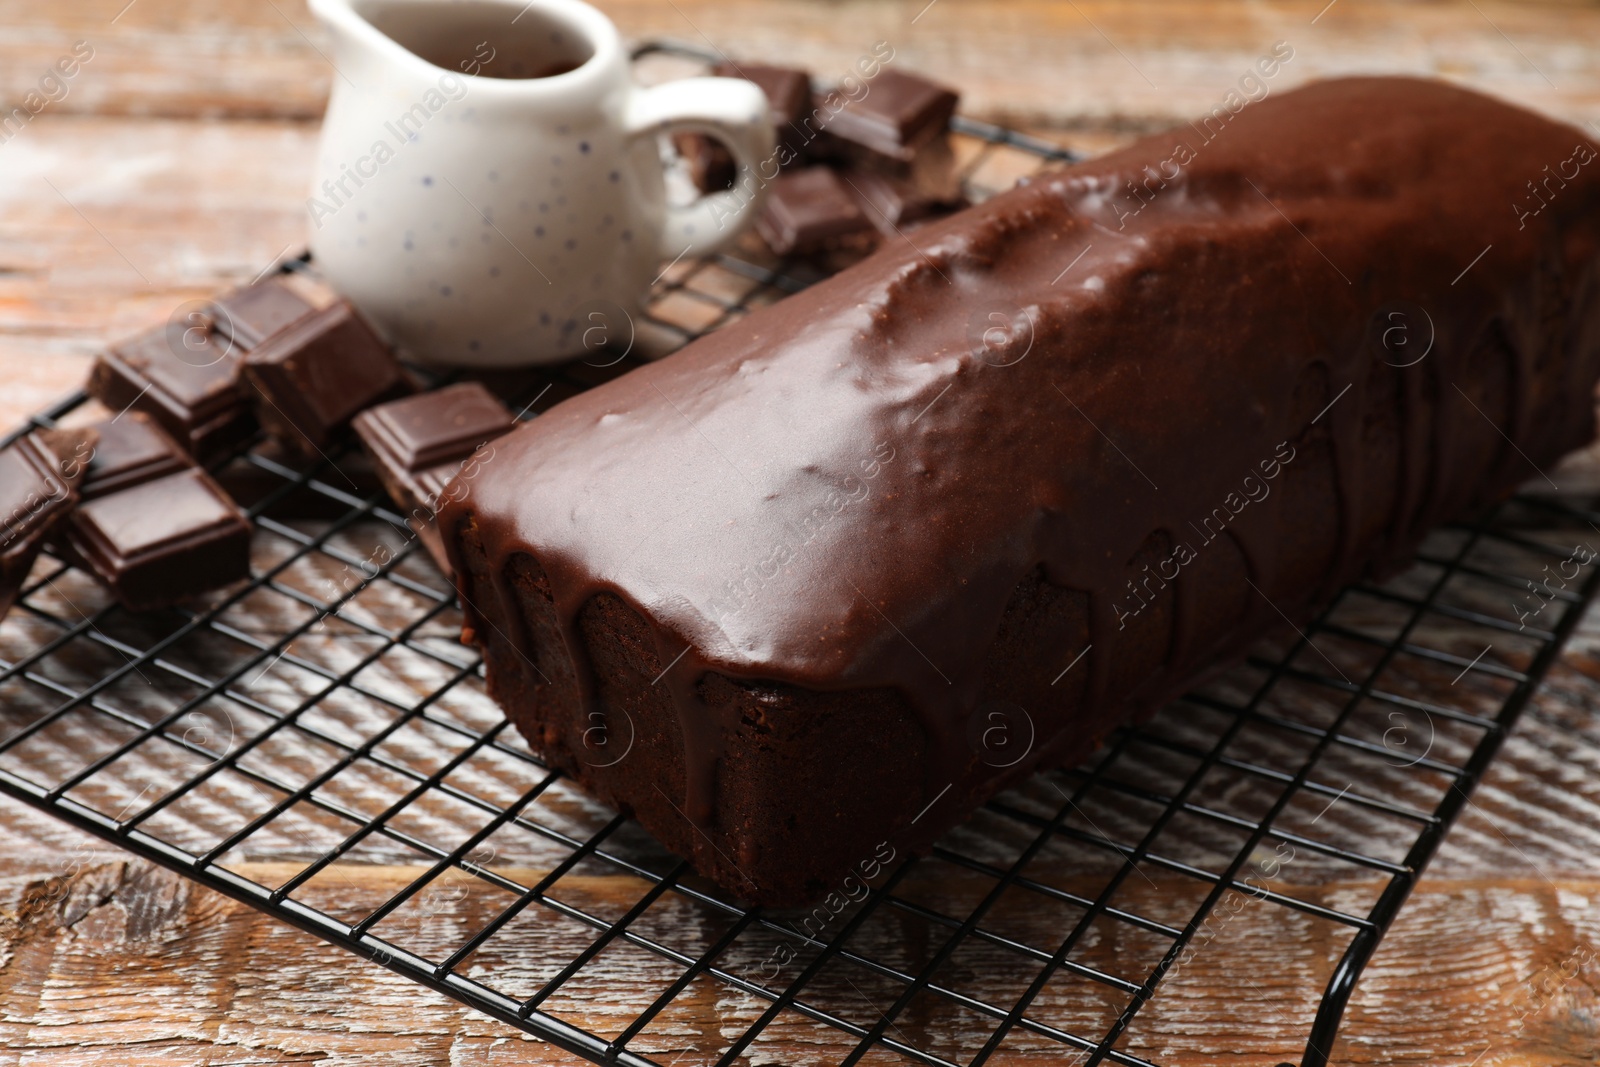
(894, 203)
(812, 210)
(39, 475)
(421, 442)
(898, 115)
(74, 448)
(250, 315)
(185, 377)
(312, 378)
(132, 448)
(788, 92)
(162, 541)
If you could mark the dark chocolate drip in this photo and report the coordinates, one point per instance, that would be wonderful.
(702, 736)
(1185, 612)
(842, 491)
(1348, 462)
(1414, 436)
(569, 601)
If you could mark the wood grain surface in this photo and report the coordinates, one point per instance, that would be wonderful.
(175, 164)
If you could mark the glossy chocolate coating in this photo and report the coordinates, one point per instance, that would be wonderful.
(39, 476)
(900, 113)
(249, 315)
(812, 210)
(162, 541)
(310, 379)
(185, 377)
(32, 486)
(421, 442)
(893, 203)
(130, 449)
(1181, 345)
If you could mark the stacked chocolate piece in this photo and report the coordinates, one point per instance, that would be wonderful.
(127, 498)
(853, 166)
(151, 523)
(421, 443)
(40, 473)
(286, 353)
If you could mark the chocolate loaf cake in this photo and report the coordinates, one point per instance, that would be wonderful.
(1073, 447)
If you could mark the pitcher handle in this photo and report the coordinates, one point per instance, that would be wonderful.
(733, 111)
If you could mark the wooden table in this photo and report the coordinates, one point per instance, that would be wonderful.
(176, 164)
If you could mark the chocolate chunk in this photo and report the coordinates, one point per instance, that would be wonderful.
(899, 114)
(132, 448)
(421, 442)
(710, 164)
(788, 89)
(254, 313)
(310, 379)
(812, 210)
(39, 475)
(74, 448)
(185, 377)
(162, 541)
(894, 203)
(788, 92)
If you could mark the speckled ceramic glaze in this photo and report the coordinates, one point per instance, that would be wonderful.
(489, 188)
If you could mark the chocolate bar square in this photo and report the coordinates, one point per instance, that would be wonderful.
(163, 541)
(788, 92)
(39, 474)
(312, 378)
(894, 203)
(421, 442)
(788, 89)
(249, 315)
(899, 114)
(131, 448)
(185, 377)
(812, 210)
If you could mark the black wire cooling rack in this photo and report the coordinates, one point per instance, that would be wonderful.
(324, 715)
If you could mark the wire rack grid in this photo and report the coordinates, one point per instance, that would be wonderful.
(322, 718)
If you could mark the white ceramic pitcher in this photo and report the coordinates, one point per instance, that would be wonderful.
(489, 174)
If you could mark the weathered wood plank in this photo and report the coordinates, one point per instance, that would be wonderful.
(125, 964)
(1028, 61)
(106, 962)
(108, 225)
(119, 206)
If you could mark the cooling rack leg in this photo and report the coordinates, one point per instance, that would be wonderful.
(1330, 1013)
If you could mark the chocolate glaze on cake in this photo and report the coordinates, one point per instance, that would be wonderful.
(1141, 408)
